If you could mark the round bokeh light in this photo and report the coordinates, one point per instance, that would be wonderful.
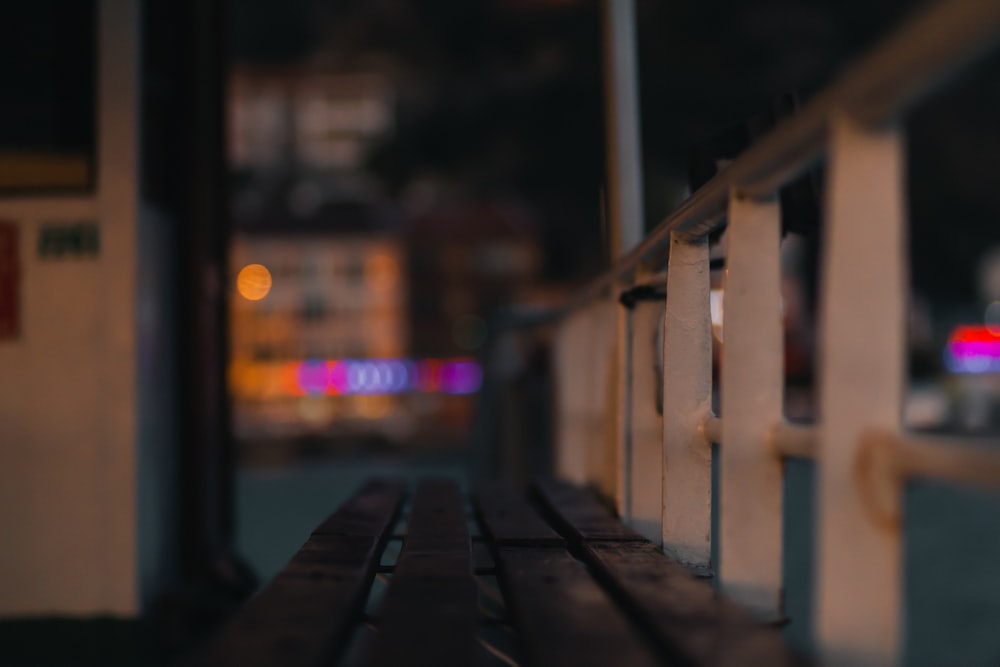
(253, 282)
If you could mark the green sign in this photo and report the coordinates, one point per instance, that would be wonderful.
(68, 240)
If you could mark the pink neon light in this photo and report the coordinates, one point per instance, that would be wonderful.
(313, 376)
(976, 349)
(973, 349)
(337, 378)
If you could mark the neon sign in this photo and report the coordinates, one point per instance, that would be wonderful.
(334, 377)
(973, 349)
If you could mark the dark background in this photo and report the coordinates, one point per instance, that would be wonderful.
(504, 98)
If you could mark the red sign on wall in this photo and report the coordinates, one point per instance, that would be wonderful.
(10, 278)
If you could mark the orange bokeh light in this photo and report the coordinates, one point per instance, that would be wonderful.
(253, 282)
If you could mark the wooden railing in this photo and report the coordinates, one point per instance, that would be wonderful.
(609, 422)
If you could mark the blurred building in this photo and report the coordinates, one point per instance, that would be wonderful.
(315, 120)
(300, 306)
(298, 140)
(305, 212)
(307, 207)
(467, 261)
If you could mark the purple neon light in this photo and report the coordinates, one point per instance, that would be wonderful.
(389, 376)
(973, 356)
(964, 349)
(338, 378)
(461, 377)
(399, 376)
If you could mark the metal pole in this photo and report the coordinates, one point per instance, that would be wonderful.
(625, 215)
(622, 107)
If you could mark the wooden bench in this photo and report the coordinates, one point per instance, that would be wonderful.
(548, 577)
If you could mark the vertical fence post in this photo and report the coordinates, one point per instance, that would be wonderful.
(862, 361)
(687, 401)
(605, 430)
(752, 387)
(645, 461)
(570, 347)
(595, 358)
(623, 411)
(590, 422)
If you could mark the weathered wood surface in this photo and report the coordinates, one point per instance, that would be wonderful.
(616, 599)
(304, 616)
(430, 615)
(579, 513)
(365, 512)
(562, 616)
(691, 622)
(509, 519)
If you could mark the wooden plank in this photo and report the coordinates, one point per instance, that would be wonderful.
(429, 616)
(562, 616)
(581, 514)
(304, 616)
(692, 623)
(365, 512)
(509, 519)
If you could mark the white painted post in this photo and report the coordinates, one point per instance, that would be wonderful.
(623, 412)
(645, 458)
(687, 401)
(858, 574)
(571, 393)
(585, 349)
(752, 386)
(602, 358)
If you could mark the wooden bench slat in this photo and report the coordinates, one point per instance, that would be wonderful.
(430, 614)
(689, 618)
(364, 513)
(509, 519)
(304, 616)
(625, 602)
(581, 514)
(562, 616)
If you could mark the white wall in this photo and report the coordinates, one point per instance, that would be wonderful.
(69, 384)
